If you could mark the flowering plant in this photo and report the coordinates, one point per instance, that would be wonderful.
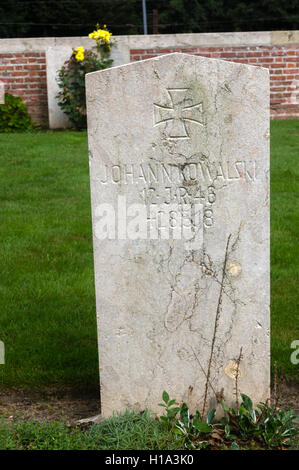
(79, 53)
(103, 39)
(71, 76)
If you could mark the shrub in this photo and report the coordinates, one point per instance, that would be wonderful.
(71, 77)
(14, 115)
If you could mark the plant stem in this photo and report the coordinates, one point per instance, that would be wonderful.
(218, 311)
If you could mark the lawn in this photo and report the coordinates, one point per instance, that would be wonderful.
(47, 316)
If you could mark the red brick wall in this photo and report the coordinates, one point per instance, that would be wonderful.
(24, 74)
(282, 61)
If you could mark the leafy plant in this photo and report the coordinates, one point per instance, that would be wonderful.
(71, 81)
(14, 115)
(193, 428)
(171, 410)
(275, 427)
(267, 427)
(71, 76)
(189, 427)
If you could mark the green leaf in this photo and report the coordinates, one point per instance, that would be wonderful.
(185, 415)
(171, 402)
(235, 446)
(226, 408)
(211, 415)
(165, 397)
(178, 431)
(196, 419)
(175, 410)
(246, 402)
(204, 427)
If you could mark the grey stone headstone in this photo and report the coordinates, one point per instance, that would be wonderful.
(179, 169)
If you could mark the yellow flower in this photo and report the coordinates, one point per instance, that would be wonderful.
(101, 34)
(79, 53)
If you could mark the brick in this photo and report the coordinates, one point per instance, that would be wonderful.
(275, 101)
(32, 67)
(241, 61)
(19, 86)
(226, 54)
(19, 74)
(254, 54)
(277, 53)
(32, 54)
(144, 57)
(18, 61)
(7, 67)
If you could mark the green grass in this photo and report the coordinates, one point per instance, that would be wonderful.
(47, 304)
(129, 431)
(47, 311)
(284, 243)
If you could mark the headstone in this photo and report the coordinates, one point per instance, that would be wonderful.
(2, 93)
(179, 168)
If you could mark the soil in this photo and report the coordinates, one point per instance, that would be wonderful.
(289, 396)
(67, 405)
(71, 405)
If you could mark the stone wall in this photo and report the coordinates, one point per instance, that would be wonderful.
(28, 66)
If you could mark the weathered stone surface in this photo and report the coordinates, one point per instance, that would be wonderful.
(175, 305)
(2, 93)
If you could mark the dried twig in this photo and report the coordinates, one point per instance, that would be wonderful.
(237, 379)
(196, 357)
(275, 394)
(280, 386)
(218, 311)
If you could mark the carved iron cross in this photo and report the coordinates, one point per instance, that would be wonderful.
(178, 114)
